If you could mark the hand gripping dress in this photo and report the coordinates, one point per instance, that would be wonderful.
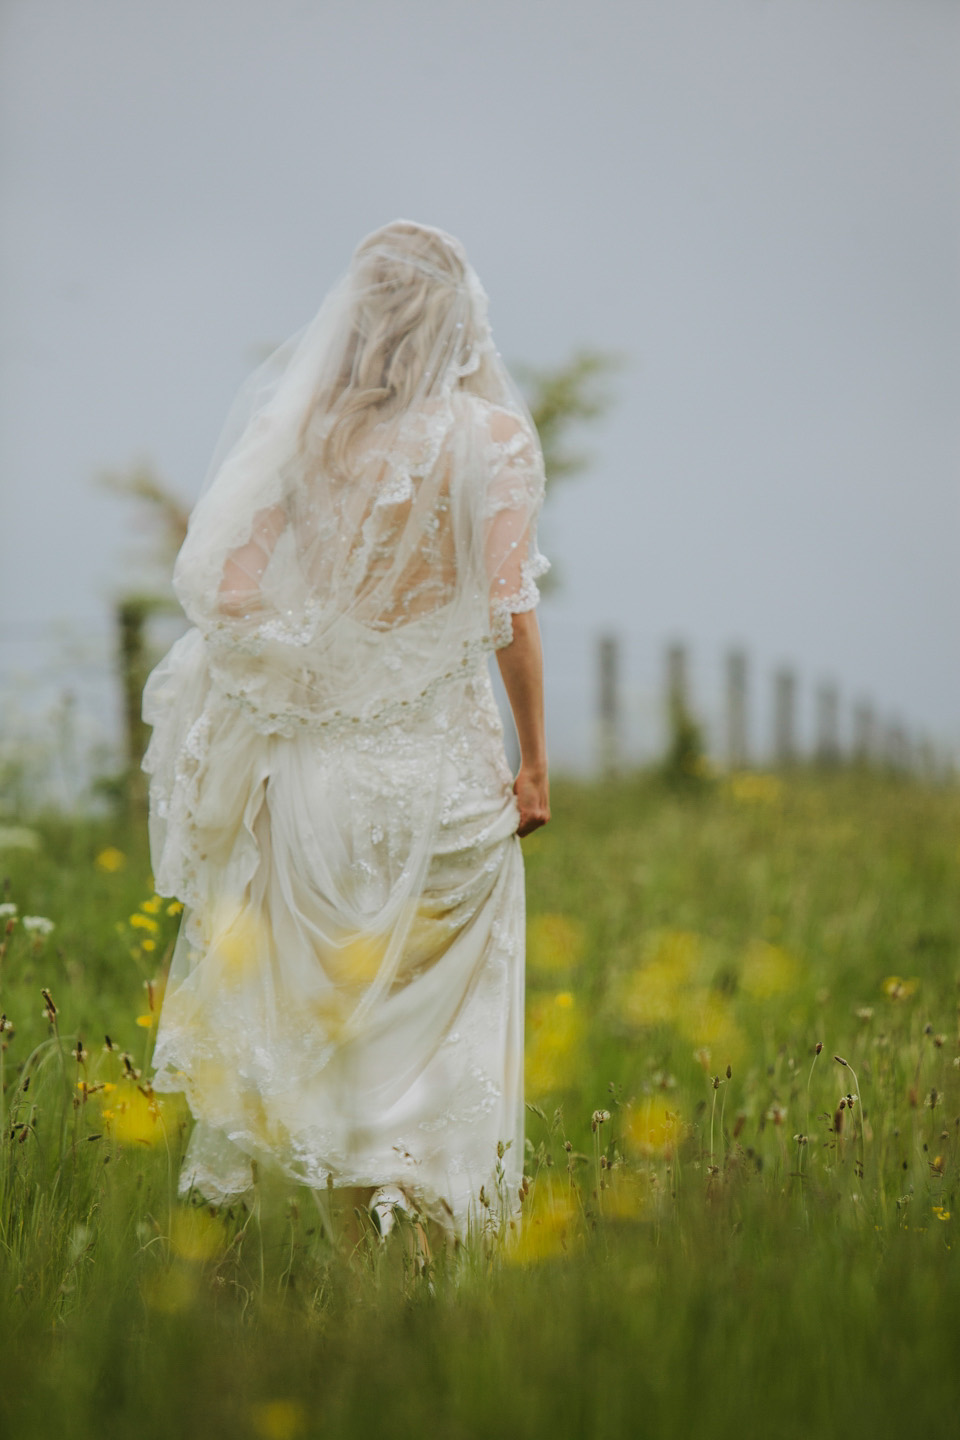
(330, 799)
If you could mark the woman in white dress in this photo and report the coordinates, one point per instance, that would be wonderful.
(329, 792)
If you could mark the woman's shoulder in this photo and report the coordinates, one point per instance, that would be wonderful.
(500, 421)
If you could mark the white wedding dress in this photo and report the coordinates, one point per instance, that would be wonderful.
(330, 798)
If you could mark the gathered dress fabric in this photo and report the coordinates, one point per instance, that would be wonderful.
(330, 798)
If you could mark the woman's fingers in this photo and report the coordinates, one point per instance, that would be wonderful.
(533, 803)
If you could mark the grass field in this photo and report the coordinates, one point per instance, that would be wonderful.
(743, 1147)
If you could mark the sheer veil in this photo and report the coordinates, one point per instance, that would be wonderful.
(379, 472)
(328, 792)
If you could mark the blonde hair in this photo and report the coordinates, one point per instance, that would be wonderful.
(408, 280)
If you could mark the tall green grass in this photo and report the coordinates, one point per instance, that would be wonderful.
(766, 1251)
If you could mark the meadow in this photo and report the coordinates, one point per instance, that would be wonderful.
(743, 1140)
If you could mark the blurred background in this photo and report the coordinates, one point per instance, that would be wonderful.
(721, 247)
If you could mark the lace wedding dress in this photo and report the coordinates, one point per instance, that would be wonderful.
(329, 792)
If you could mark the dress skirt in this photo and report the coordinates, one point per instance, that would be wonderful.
(345, 998)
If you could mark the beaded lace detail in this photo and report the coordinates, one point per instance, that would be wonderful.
(310, 837)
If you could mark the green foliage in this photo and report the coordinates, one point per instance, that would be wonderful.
(564, 396)
(161, 510)
(764, 1249)
(560, 399)
(685, 761)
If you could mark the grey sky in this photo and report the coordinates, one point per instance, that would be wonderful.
(758, 201)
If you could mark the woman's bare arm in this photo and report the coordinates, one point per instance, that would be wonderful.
(244, 567)
(521, 666)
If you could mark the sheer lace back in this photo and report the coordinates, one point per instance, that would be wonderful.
(431, 539)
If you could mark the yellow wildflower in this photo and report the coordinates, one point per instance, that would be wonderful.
(548, 1231)
(170, 1290)
(175, 907)
(655, 993)
(706, 1019)
(653, 1128)
(239, 941)
(215, 1081)
(554, 943)
(279, 1419)
(137, 1119)
(628, 1197)
(331, 1010)
(148, 944)
(767, 970)
(940, 1212)
(150, 907)
(899, 989)
(195, 1234)
(145, 1021)
(750, 788)
(111, 860)
(554, 1029)
(144, 922)
(359, 960)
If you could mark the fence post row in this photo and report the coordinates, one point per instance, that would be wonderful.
(889, 744)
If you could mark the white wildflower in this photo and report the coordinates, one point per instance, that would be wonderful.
(7, 908)
(37, 924)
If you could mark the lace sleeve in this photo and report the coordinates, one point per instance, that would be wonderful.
(240, 589)
(514, 498)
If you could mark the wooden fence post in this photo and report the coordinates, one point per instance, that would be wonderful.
(784, 717)
(131, 614)
(684, 760)
(864, 733)
(828, 717)
(608, 657)
(677, 688)
(737, 745)
(896, 746)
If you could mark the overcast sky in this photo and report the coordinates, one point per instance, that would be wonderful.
(757, 202)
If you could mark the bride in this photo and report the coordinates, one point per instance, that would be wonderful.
(329, 792)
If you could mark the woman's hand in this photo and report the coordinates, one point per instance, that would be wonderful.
(532, 790)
